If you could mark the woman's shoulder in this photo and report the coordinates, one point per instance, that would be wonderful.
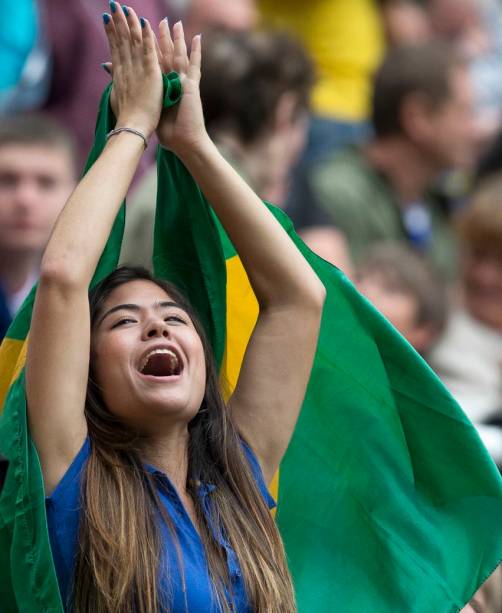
(63, 512)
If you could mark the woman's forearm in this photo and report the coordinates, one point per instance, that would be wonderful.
(278, 272)
(82, 229)
(84, 225)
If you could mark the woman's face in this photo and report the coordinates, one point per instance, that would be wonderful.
(148, 358)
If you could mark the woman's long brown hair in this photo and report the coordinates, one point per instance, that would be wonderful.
(117, 566)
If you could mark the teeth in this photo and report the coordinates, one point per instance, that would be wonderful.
(168, 352)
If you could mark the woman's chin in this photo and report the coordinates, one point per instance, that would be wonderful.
(168, 407)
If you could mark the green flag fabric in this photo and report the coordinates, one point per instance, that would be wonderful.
(387, 500)
(28, 582)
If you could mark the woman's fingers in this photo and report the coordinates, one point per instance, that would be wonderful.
(160, 59)
(122, 31)
(149, 50)
(134, 26)
(128, 34)
(111, 34)
(180, 63)
(195, 58)
(166, 46)
(131, 38)
(137, 84)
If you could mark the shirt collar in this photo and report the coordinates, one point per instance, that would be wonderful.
(204, 489)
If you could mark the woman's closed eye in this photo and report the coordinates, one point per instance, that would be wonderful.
(175, 319)
(123, 321)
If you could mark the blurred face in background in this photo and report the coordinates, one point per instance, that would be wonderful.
(449, 138)
(35, 182)
(401, 307)
(451, 18)
(282, 145)
(237, 15)
(482, 278)
(398, 306)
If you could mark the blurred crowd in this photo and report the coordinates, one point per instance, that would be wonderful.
(376, 124)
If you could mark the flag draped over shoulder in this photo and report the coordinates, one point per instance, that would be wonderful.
(387, 500)
(27, 578)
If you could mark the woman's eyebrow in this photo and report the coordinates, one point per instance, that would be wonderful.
(167, 303)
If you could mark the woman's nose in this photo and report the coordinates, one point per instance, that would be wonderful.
(156, 328)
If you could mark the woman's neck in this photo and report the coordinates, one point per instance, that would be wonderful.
(169, 453)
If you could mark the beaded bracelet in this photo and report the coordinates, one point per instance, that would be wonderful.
(131, 130)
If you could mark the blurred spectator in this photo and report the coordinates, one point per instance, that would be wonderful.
(469, 356)
(255, 89)
(475, 26)
(201, 15)
(422, 118)
(259, 118)
(406, 22)
(346, 42)
(37, 174)
(331, 245)
(407, 291)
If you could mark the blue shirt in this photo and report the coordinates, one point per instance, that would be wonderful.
(63, 512)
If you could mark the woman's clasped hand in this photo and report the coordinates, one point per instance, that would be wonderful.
(138, 59)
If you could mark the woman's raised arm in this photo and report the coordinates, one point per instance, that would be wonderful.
(59, 342)
(279, 356)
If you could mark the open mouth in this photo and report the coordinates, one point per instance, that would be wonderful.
(161, 363)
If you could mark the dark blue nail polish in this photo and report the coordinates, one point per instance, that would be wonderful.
(142, 22)
(126, 10)
(106, 18)
(113, 6)
(105, 68)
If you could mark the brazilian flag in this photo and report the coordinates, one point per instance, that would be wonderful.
(387, 499)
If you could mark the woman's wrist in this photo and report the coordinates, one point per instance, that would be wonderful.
(136, 123)
(194, 150)
(129, 139)
(129, 130)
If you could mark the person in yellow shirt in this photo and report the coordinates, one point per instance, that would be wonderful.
(346, 41)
